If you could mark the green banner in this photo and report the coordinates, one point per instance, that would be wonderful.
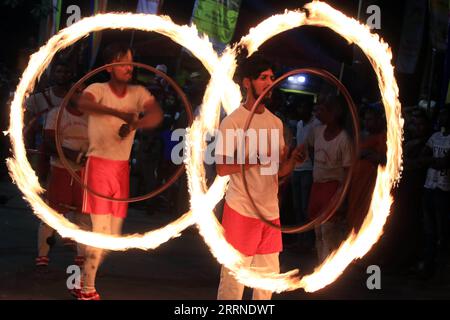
(217, 19)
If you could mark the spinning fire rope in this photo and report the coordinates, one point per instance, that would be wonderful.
(221, 90)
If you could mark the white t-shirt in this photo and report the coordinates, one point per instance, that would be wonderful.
(438, 179)
(73, 130)
(330, 157)
(37, 102)
(303, 131)
(103, 130)
(263, 187)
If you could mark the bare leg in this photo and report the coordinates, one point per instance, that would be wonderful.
(321, 255)
(270, 263)
(116, 226)
(44, 233)
(229, 287)
(84, 222)
(100, 224)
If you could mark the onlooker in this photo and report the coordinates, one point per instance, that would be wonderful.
(37, 107)
(372, 153)
(302, 177)
(436, 204)
(332, 152)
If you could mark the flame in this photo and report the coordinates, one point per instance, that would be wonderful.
(20, 169)
(357, 245)
(223, 91)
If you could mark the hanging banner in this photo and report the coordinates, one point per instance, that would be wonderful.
(412, 35)
(63, 14)
(217, 19)
(439, 10)
(97, 6)
(149, 6)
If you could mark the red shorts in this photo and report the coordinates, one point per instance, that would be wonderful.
(250, 236)
(109, 178)
(320, 196)
(63, 191)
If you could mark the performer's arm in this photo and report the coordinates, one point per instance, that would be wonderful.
(153, 115)
(286, 167)
(227, 160)
(87, 104)
(224, 169)
(152, 118)
(297, 157)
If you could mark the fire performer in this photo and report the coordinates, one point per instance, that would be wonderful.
(113, 109)
(258, 242)
(63, 193)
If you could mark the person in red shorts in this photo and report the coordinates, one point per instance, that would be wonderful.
(331, 150)
(64, 194)
(244, 230)
(113, 108)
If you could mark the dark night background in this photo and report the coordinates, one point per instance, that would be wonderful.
(302, 47)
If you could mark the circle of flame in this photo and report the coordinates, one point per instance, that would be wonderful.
(221, 89)
(357, 244)
(20, 169)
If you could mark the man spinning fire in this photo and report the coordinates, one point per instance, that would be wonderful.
(113, 109)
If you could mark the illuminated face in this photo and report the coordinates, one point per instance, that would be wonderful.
(124, 72)
(258, 85)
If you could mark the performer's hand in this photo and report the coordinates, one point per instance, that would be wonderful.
(81, 159)
(129, 117)
(76, 96)
(125, 130)
(299, 154)
(284, 153)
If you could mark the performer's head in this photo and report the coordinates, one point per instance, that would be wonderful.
(255, 75)
(330, 111)
(119, 52)
(444, 118)
(61, 73)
